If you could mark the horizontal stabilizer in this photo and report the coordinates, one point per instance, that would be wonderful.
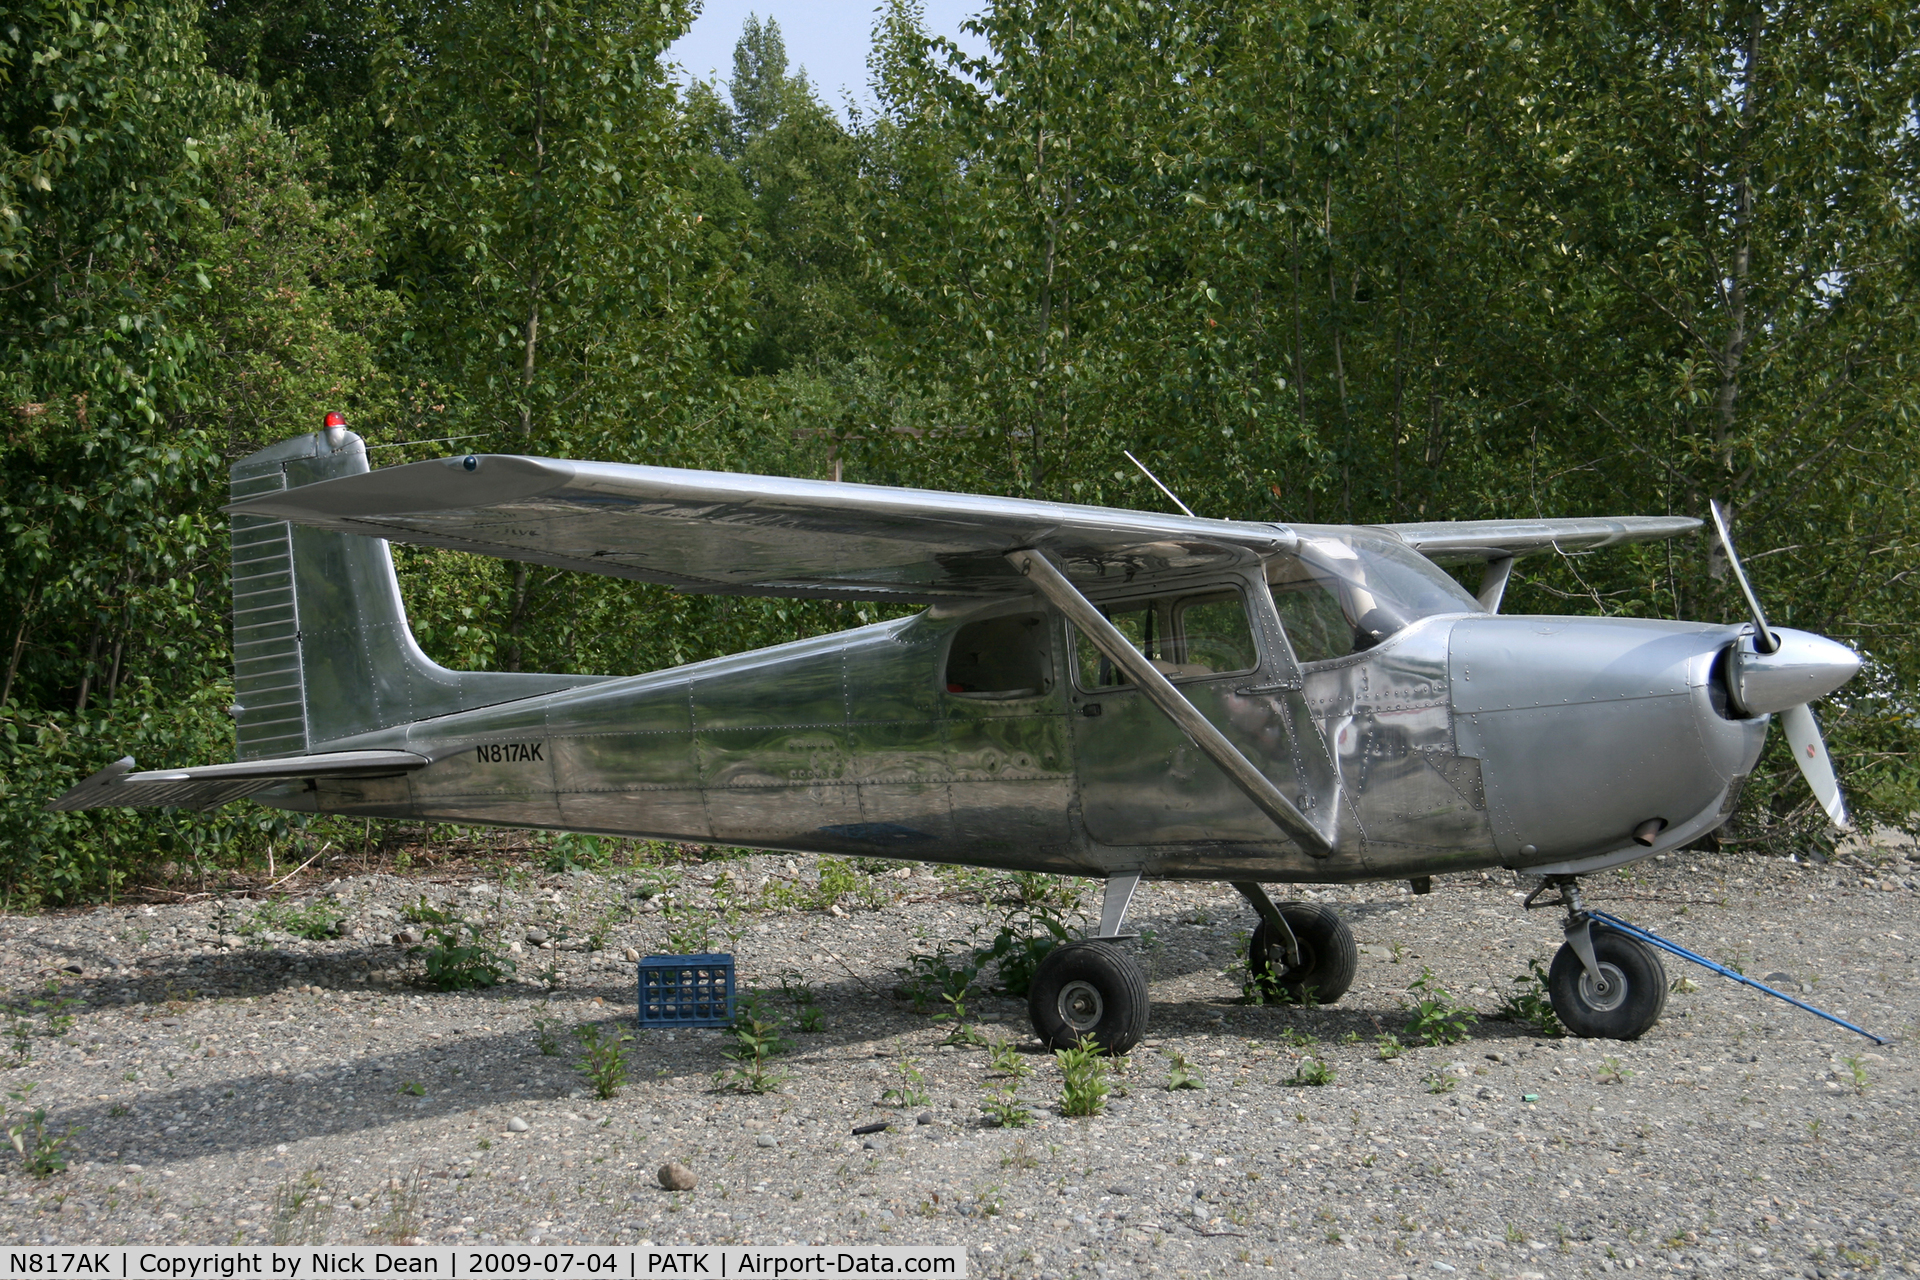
(210, 786)
(1477, 541)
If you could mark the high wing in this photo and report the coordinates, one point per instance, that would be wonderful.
(715, 532)
(1474, 541)
(210, 786)
(721, 533)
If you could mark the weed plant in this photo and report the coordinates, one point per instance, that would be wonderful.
(42, 1152)
(1611, 1072)
(458, 956)
(298, 1216)
(805, 1007)
(1004, 1056)
(1531, 1006)
(1027, 933)
(1437, 1018)
(403, 1220)
(1084, 1085)
(544, 1038)
(911, 1091)
(316, 921)
(962, 1032)
(1183, 1075)
(1005, 1110)
(603, 1059)
(569, 851)
(756, 1042)
(1311, 1072)
(58, 1009)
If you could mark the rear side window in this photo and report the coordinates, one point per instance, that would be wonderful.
(1000, 658)
(1185, 637)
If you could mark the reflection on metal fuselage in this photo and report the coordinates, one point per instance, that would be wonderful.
(1463, 741)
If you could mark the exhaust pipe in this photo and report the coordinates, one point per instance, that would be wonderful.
(1647, 832)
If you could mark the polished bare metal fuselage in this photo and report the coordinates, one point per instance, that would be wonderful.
(1463, 741)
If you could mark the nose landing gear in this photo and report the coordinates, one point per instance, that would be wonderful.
(1305, 952)
(1602, 984)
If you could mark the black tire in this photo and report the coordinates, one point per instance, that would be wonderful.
(1088, 988)
(1329, 959)
(1625, 1013)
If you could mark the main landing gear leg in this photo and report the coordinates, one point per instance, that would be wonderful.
(1300, 952)
(1091, 989)
(1603, 984)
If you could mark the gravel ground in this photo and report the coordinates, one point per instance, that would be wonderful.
(231, 1083)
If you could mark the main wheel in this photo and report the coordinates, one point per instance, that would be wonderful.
(1089, 988)
(1625, 1004)
(1328, 957)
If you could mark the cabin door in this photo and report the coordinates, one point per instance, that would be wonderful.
(1142, 781)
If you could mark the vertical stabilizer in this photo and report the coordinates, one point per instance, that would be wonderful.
(321, 646)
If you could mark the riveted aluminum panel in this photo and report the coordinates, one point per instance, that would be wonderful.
(1587, 727)
(1513, 661)
(771, 740)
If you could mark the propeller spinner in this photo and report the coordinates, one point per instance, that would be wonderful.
(1784, 672)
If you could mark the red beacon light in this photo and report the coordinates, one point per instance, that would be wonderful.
(336, 430)
(336, 419)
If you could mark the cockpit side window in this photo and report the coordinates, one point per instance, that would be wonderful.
(1000, 658)
(1185, 637)
(1309, 606)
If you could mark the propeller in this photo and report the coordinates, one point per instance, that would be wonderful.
(1784, 673)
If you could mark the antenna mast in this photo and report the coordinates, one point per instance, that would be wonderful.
(1156, 481)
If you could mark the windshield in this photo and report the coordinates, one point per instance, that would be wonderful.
(1345, 592)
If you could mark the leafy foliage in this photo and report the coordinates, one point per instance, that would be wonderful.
(42, 1152)
(1348, 262)
(457, 954)
(1531, 1006)
(756, 1041)
(315, 920)
(603, 1058)
(1182, 1074)
(1083, 1079)
(1436, 1017)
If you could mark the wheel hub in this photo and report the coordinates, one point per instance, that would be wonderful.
(1080, 1005)
(1609, 993)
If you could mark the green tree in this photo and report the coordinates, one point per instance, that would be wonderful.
(560, 300)
(174, 295)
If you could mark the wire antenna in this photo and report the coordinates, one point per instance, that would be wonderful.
(1156, 482)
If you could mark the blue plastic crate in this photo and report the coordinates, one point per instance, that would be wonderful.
(686, 991)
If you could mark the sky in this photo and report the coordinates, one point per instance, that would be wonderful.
(830, 40)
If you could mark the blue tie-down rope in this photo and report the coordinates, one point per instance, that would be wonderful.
(1635, 931)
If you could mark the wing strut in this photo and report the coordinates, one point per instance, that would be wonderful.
(1065, 597)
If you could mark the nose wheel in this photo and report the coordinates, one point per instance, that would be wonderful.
(1089, 989)
(1603, 985)
(1621, 1002)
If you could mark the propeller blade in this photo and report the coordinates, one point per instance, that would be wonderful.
(1810, 753)
(1763, 638)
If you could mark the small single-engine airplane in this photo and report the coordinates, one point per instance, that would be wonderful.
(1092, 692)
